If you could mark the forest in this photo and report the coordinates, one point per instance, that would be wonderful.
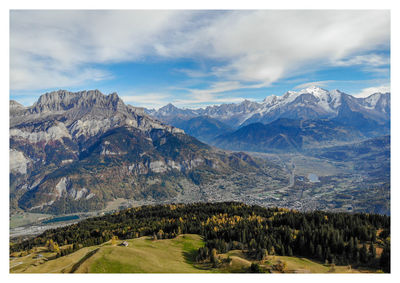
(336, 238)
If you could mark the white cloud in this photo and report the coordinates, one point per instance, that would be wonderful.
(373, 60)
(215, 94)
(221, 87)
(264, 46)
(217, 87)
(55, 48)
(202, 102)
(371, 90)
(38, 76)
(148, 100)
(193, 73)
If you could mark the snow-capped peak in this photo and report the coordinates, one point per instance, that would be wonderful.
(289, 93)
(336, 93)
(307, 103)
(316, 91)
(270, 99)
(373, 99)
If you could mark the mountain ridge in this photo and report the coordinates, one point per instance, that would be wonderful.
(309, 103)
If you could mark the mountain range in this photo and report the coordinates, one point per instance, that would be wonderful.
(312, 117)
(76, 151)
(306, 104)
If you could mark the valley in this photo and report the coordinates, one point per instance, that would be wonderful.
(75, 153)
(340, 186)
(343, 186)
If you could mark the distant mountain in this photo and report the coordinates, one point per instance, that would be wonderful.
(203, 128)
(317, 103)
(317, 118)
(171, 114)
(293, 135)
(310, 103)
(76, 151)
(371, 156)
(230, 114)
(367, 151)
(365, 118)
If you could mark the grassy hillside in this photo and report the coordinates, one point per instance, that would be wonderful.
(147, 256)
(144, 255)
(31, 263)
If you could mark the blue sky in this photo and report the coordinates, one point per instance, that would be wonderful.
(198, 58)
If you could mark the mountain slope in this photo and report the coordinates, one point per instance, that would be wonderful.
(203, 128)
(76, 151)
(288, 134)
(372, 156)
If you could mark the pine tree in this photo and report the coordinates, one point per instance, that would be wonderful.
(252, 244)
(364, 254)
(160, 234)
(328, 255)
(350, 247)
(311, 249)
(384, 262)
(255, 268)
(372, 253)
(214, 258)
(289, 251)
(319, 252)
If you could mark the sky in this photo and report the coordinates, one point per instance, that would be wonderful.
(195, 58)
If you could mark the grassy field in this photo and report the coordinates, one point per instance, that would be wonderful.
(304, 265)
(31, 264)
(147, 256)
(292, 265)
(143, 255)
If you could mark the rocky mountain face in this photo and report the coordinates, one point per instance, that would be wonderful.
(306, 104)
(76, 151)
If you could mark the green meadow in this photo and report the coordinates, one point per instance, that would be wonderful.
(144, 255)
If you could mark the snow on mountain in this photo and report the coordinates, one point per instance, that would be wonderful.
(378, 100)
(373, 99)
(309, 103)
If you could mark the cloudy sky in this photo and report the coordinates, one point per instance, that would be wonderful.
(198, 58)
